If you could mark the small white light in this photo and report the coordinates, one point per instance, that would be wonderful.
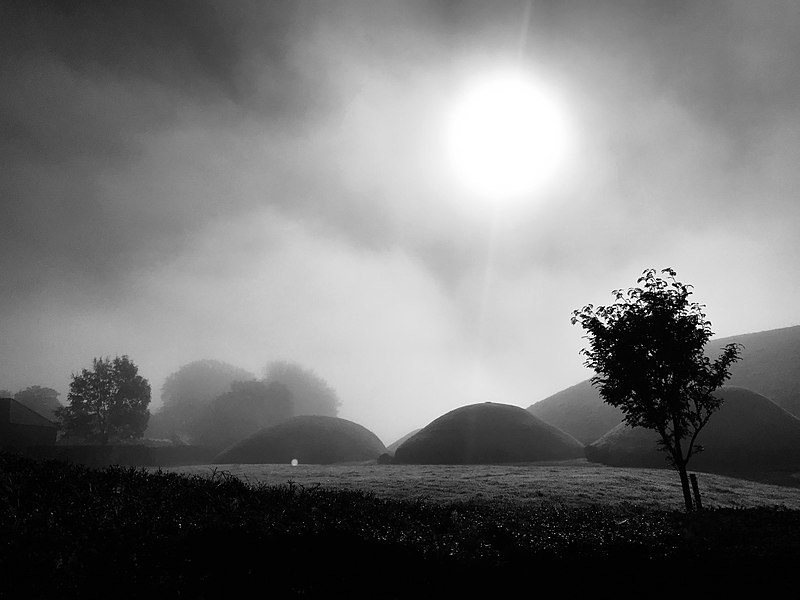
(295, 462)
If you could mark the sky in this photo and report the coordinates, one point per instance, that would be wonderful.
(255, 181)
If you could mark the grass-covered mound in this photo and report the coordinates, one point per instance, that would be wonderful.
(770, 364)
(309, 439)
(579, 411)
(72, 532)
(748, 433)
(487, 433)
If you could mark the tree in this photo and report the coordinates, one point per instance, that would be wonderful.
(188, 391)
(107, 403)
(312, 395)
(42, 400)
(646, 350)
(246, 408)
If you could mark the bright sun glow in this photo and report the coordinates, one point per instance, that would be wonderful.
(507, 137)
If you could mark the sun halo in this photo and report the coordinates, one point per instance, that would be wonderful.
(507, 137)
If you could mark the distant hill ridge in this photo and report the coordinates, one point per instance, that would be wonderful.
(770, 366)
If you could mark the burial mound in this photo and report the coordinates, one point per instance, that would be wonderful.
(488, 433)
(749, 432)
(309, 439)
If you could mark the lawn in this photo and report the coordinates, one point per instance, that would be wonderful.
(570, 483)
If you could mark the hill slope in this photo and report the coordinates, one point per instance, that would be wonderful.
(750, 432)
(579, 411)
(770, 366)
(487, 433)
(310, 439)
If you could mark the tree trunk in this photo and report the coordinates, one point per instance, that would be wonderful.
(680, 465)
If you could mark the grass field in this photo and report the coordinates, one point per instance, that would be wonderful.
(572, 483)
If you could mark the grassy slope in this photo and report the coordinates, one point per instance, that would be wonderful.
(770, 365)
(307, 438)
(487, 433)
(750, 435)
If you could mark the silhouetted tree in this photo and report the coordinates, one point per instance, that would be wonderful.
(107, 403)
(646, 350)
(237, 414)
(43, 400)
(311, 394)
(187, 392)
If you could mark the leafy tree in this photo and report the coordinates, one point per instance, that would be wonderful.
(6, 393)
(42, 400)
(312, 395)
(107, 403)
(647, 353)
(186, 393)
(246, 408)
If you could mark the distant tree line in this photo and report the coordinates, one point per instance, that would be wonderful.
(42, 400)
(205, 402)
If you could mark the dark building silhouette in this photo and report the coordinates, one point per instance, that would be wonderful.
(20, 426)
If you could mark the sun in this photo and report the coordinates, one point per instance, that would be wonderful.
(507, 136)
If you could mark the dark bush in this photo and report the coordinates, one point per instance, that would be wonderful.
(69, 531)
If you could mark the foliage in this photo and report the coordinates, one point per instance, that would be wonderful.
(647, 352)
(74, 532)
(312, 395)
(246, 408)
(42, 400)
(186, 393)
(107, 403)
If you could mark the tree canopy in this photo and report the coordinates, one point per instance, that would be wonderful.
(107, 403)
(647, 352)
(311, 393)
(186, 392)
(240, 412)
(43, 400)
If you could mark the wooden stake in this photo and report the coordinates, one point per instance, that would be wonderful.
(698, 505)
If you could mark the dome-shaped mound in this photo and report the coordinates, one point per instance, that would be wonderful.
(749, 432)
(311, 439)
(487, 433)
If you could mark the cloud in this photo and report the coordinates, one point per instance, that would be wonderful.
(249, 181)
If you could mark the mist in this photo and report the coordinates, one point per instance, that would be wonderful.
(252, 181)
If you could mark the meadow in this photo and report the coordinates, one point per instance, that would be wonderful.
(575, 483)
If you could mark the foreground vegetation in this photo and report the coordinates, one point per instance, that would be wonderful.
(69, 531)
